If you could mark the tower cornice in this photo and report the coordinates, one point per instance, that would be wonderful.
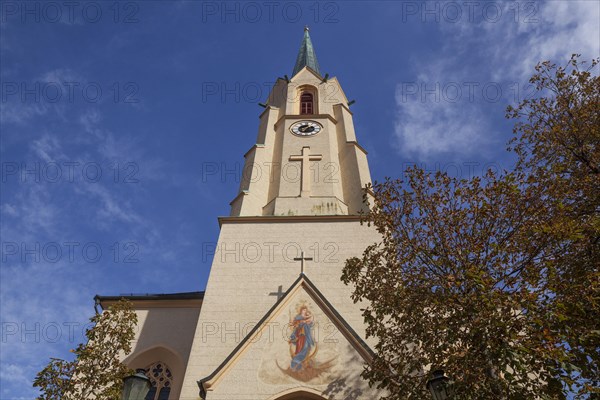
(288, 219)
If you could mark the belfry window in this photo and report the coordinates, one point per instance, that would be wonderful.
(306, 103)
(161, 378)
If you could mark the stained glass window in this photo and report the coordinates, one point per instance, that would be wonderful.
(161, 378)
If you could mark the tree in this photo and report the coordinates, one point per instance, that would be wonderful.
(557, 140)
(96, 372)
(494, 279)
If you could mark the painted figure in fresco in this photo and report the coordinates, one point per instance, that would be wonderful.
(302, 337)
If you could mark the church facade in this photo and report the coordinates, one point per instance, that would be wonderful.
(275, 321)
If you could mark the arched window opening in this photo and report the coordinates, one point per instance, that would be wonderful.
(161, 378)
(306, 103)
(301, 395)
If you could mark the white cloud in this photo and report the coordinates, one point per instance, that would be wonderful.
(19, 376)
(89, 120)
(47, 148)
(60, 76)
(427, 129)
(37, 214)
(15, 374)
(9, 210)
(112, 209)
(23, 101)
(551, 31)
(36, 293)
(123, 150)
(17, 112)
(501, 52)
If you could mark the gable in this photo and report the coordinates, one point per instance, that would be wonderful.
(301, 342)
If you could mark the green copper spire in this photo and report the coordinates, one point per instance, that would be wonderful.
(306, 55)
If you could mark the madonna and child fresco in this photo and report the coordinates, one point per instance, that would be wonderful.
(303, 347)
(306, 351)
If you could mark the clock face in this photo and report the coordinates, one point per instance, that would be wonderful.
(306, 128)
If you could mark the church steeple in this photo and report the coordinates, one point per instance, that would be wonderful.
(306, 55)
(306, 160)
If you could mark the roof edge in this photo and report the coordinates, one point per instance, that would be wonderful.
(150, 296)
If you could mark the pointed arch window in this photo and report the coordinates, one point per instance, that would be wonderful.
(161, 378)
(306, 103)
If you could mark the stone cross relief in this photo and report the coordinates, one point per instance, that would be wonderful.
(305, 158)
(279, 293)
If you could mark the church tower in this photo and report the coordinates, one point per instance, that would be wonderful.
(306, 160)
(275, 321)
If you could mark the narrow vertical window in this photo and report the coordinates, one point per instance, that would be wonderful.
(306, 103)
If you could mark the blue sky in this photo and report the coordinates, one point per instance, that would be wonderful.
(123, 125)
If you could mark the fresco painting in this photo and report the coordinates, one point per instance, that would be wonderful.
(306, 350)
(302, 344)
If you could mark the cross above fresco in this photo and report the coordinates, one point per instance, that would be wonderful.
(302, 259)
